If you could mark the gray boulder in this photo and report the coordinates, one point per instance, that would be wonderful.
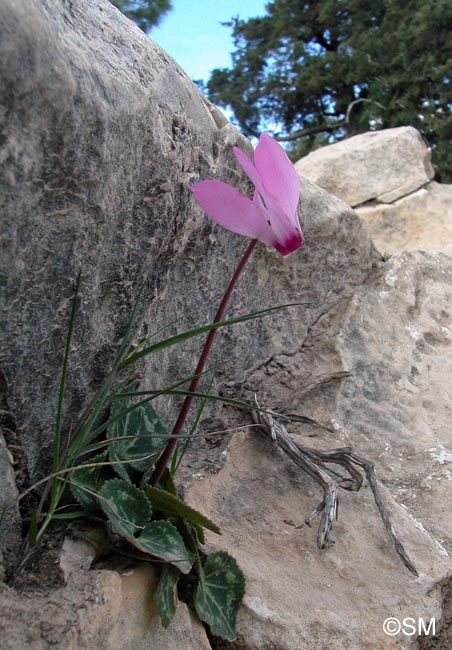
(387, 177)
(102, 136)
(379, 165)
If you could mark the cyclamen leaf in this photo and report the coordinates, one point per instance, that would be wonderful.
(172, 506)
(85, 482)
(144, 430)
(194, 543)
(162, 540)
(129, 511)
(166, 594)
(218, 599)
(126, 506)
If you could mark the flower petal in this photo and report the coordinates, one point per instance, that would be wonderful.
(249, 169)
(227, 207)
(278, 176)
(291, 243)
(286, 237)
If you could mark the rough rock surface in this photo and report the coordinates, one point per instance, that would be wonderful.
(420, 221)
(10, 525)
(394, 337)
(104, 609)
(386, 176)
(102, 136)
(379, 165)
(300, 598)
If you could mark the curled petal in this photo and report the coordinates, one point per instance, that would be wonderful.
(272, 215)
(249, 169)
(277, 175)
(228, 208)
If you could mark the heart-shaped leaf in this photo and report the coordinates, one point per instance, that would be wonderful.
(126, 506)
(143, 430)
(162, 539)
(218, 598)
(166, 594)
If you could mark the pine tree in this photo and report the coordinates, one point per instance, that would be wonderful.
(317, 71)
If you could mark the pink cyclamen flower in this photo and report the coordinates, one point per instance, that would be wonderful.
(271, 217)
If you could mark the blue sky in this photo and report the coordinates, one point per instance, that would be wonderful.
(192, 34)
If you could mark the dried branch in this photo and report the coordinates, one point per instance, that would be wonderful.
(315, 464)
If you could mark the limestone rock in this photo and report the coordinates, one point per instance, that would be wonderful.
(105, 610)
(10, 524)
(394, 337)
(300, 598)
(102, 136)
(379, 165)
(420, 221)
(386, 176)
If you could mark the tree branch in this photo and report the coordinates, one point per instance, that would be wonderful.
(323, 128)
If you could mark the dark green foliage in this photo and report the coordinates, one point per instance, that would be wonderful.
(166, 594)
(172, 506)
(86, 483)
(145, 13)
(168, 483)
(302, 66)
(162, 540)
(218, 598)
(126, 507)
(144, 433)
(131, 436)
(156, 522)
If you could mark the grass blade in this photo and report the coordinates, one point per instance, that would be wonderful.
(92, 411)
(207, 396)
(58, 420)
(183, 336)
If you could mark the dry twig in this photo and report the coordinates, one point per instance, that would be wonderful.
(316, 464)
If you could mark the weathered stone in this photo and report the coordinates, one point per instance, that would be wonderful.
(10, 520)
(10, 524)
(379, 165)
(386, 174)
(420, 221)
(300, 598)
(394, 337)
(105, 610)
(102, 136)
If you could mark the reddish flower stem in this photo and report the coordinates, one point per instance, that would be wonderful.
(169, 449)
